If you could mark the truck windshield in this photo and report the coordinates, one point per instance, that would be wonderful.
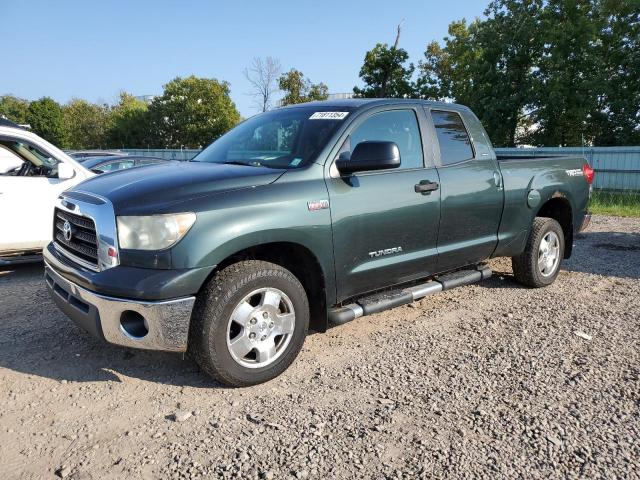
(287, 138)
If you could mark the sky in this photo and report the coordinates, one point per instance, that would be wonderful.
(94, 49)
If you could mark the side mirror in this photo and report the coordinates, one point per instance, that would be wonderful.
(65, 171)
(371, 155)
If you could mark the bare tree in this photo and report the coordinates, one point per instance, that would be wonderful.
(263, 78)
(395, 45)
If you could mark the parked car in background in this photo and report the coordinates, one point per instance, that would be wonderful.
(33, 173)
(114, 163)
(80, 154)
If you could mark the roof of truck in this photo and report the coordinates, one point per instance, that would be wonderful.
(370, 102)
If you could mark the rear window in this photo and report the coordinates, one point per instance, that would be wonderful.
(455, 145)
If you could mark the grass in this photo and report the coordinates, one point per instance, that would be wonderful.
(615, 203)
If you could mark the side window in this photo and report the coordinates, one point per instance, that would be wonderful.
(455, 145)
(32, 161)
(150, 161)
(113, 166)
(399, 126)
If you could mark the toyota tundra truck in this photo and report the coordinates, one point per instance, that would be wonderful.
(302, 217)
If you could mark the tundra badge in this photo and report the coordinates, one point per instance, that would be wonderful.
(386, 251)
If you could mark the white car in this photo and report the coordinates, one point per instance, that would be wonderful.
(33, 173)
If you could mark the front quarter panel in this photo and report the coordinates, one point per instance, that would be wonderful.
(231, 222)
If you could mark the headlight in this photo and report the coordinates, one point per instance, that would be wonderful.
(154, 232)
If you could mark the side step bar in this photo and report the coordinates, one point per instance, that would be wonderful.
(391, 299)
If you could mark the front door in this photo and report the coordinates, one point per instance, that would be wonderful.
(384, 232)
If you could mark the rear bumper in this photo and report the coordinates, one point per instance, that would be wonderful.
(153, 325)
(585, 222)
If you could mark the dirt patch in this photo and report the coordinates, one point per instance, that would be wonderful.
(490, 380)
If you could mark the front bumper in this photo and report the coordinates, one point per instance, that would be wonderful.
(153, 325)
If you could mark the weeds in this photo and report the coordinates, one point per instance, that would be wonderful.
(615, 203)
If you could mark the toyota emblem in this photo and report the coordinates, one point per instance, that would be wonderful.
(66, 231)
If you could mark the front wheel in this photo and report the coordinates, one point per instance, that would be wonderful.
(539, 264)
(249, 323)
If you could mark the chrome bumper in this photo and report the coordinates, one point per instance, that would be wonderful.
(153, 325)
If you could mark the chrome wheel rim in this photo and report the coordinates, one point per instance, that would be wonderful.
(549, 254)
(260, 328)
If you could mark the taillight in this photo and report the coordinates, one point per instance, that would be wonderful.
(588, 173)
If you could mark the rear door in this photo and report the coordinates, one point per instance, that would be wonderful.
(471, 189)
(384, 231)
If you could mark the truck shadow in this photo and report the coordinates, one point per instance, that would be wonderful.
(37, 339)
(611, 254)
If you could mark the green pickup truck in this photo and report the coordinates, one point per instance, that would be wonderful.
(302, 217)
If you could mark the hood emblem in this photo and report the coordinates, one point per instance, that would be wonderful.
(67, 231)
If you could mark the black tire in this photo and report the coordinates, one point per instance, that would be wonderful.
(214, 307)
(525, 266)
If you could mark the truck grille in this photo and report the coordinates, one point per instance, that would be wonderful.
(83, 244)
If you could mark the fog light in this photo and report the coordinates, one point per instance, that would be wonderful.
(133, 325)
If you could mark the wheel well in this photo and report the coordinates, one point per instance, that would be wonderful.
(302, 263)
(559, 209)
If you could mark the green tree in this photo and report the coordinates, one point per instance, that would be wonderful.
(487, 66)
(298, 89)
(449, 72)
(128, 125)
(510, 43)
(192, 112)
(85, 124)
(47, 120)
(14, 108)
(567, 90)
(547, 72)
(385, 73)
(616, 120)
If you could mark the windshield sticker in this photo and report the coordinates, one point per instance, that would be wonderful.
(295, 162)
(328, 116)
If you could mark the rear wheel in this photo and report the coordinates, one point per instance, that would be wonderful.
(249, 323)
(539, 264)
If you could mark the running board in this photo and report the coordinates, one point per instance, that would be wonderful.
(384, 301)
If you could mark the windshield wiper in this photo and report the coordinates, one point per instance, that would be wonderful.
(246, 164)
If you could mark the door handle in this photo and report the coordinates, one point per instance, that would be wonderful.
(497, 179)
(425, 187)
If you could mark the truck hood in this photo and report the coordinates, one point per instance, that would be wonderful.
(154, 188)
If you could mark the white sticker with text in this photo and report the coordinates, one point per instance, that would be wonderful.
(328, 115)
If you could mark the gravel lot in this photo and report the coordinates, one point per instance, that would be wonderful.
(490, 380)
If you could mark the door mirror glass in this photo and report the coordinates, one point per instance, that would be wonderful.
(370, 155)
(65, 171)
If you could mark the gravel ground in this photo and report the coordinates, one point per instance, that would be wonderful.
(490, 380)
